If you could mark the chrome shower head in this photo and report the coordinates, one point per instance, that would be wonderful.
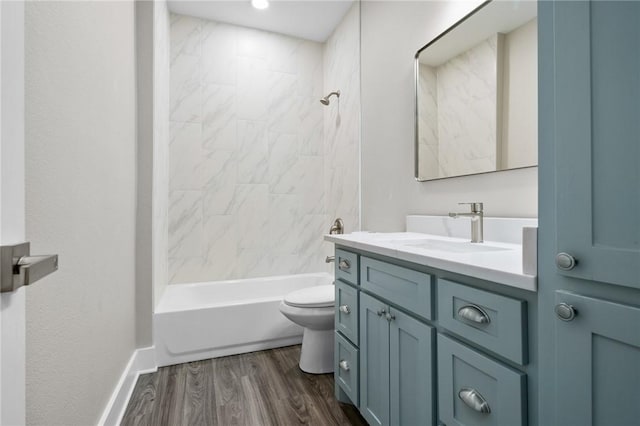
(325, 100)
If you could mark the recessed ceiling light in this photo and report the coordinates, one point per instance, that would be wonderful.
(260, 4)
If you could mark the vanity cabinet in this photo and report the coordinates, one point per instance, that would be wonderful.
(589, 235)
(396, 379)
(433, 349)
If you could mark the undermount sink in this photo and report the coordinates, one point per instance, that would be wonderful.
(452, 246)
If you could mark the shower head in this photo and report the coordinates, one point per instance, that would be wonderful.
(325, 100)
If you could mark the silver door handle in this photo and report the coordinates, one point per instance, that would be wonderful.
(344, 265)
(18, 268)
(474, 400)
(474, 313)
(344, 364)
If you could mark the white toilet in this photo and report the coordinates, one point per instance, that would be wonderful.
(313, 309)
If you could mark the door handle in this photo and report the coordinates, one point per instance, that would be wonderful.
(18, 268)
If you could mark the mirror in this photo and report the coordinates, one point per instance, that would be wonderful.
(477, 94)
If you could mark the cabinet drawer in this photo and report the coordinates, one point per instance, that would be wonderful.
(346, 266)
(346, 367)
(476, 390)
(496, 322)
(412, 290)
(347, 311)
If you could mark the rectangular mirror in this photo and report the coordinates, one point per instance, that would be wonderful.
(477, 94)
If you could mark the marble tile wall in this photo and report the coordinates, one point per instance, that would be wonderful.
(250, 168)
(468, 130)
(342, 122)
(428, 166)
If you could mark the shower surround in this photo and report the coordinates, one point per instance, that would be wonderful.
(258, 168)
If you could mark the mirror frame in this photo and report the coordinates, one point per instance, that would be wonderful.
(416, 67)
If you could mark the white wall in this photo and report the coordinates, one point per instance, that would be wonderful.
(144, 207)
(391, 34)
(80, 182)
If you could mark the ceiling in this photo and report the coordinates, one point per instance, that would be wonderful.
(308, 19)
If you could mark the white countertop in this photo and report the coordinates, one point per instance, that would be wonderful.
(500, 263)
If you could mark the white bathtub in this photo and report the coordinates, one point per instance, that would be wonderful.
(213, 319)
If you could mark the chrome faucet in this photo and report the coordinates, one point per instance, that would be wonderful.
(476, 216)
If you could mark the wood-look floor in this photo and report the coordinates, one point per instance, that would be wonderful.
(259, 388)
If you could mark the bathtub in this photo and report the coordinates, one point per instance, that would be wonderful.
(213, 319)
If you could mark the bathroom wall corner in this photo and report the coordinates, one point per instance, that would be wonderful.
(160, 203)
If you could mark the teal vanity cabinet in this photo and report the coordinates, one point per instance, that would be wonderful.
(589, 222)
(435, 347)
(346, 352)
(397, 379)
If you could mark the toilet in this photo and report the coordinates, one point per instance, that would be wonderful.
(313, 309)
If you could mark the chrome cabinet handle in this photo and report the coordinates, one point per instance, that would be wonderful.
(344, 265)
(345, 309)
(474, 400)
(344, 365)
(565, 312)
(381, 312)
(474, 313)
(565, 262)
(389, 317)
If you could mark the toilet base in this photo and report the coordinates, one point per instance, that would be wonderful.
(316, 355)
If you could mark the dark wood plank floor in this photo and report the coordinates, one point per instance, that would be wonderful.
(259, 388)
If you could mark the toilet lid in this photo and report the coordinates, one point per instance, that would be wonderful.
(321, 296)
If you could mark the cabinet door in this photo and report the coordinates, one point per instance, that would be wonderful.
(374, 361)
(597, 96)
(598, 355)
(589, 198)
(475, 390)
(411, 370)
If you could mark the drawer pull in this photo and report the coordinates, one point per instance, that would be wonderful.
(344, 365)
(344, 265)
(474, 313)
(474, 400)
(381, 312)
(345, 309)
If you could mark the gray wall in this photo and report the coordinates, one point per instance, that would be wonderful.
(144, 213)
(391, 34)
(81, 202)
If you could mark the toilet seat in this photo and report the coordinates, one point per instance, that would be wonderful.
(321, 296)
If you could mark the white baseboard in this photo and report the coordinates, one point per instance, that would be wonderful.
(142, 361)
